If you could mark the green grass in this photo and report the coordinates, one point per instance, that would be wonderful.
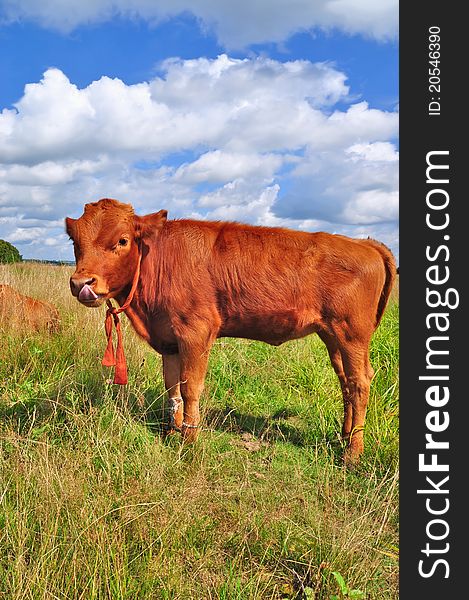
(95, 503)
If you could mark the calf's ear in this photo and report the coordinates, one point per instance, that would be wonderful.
(150, 224)
(70, 226)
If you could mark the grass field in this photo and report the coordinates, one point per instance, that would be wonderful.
(96, 504)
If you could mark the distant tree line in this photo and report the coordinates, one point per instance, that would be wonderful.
(54, 263)
(8, 253)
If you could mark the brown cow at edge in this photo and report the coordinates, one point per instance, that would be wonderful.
(23, 313)
(201, 280)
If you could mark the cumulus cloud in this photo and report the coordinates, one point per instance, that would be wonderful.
(236, 24)
(54, 119)
(238, 201)
(254, 140)
(352, 185)
(219, 166)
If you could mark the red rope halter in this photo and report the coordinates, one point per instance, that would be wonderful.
(117, 359)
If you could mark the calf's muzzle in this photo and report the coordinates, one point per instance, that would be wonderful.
(80, 287)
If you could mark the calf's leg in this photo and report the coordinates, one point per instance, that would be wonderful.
(358, 373)
(172, 382)
(194, 360)
(337, 363)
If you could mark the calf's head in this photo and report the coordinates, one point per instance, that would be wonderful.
(107, 240)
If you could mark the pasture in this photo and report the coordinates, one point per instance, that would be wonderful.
(96, 504)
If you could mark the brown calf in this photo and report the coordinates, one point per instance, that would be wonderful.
(200, 280)
(27, 314)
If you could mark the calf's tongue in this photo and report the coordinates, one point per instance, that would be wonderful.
(86, 294)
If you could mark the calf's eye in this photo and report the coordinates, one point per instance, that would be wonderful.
(123, 242)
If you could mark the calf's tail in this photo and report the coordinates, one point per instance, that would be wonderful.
(390, 270)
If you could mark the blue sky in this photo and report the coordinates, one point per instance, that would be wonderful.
(267, 114)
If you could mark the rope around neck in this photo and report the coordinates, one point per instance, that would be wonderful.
(117, 359)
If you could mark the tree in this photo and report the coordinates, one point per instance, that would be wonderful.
(8, 253)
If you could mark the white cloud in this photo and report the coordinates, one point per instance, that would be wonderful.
(49, 173)
(236, 24)
(219, 166)
(351, 185)
(272, 103)
(254, 140)
(237, 201)
(372, 206)
(254, 80)
(379, 151)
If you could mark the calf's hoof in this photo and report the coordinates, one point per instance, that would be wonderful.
(351, 458)
(170, 430)
(355, 447)
(189, 432)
